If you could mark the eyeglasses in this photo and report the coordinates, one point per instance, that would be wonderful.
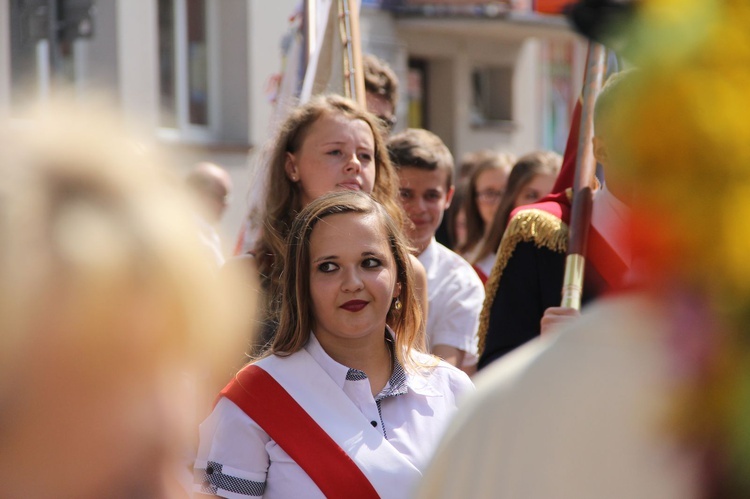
(489, 196)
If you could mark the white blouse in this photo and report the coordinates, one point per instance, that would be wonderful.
(237, 459)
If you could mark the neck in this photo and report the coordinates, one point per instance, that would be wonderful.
(369, 355)
(419, 248)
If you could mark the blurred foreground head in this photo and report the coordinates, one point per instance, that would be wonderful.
(686, 139)
(109, 312)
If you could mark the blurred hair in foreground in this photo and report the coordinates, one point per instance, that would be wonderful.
(112, 324)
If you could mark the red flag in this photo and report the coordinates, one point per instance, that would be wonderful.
(552, 6)
(602, 257)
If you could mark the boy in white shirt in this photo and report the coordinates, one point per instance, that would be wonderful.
(455, 292)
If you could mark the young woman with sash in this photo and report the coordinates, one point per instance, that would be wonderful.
(343, 404)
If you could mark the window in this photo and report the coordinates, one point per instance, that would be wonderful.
(492, 96)
(44, 35)
(167, 65)
(184, 64)
(28, 27)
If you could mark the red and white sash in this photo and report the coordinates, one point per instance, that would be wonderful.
(389, 472)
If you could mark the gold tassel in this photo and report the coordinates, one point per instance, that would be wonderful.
(537, 226)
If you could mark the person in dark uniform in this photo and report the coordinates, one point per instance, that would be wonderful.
(524, 288)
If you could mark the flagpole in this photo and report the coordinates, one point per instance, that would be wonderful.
(580, 216)
(309, 30)
(354, 81)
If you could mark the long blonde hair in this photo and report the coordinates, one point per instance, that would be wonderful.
(296, 317)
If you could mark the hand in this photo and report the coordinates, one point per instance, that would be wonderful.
(556, 317)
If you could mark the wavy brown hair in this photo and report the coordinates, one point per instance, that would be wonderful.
(296, 318)
(284, 196)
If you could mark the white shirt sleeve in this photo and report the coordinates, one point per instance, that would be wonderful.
(457, 313)
(232, 458)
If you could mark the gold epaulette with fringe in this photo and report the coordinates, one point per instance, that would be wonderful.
(540, 227)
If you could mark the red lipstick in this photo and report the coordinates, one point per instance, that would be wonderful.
(354, 305)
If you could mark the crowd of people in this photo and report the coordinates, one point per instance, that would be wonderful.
(384, 335)
(382, 284)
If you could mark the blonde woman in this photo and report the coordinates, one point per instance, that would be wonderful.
(109, 314)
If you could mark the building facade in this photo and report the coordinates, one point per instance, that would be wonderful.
(479, 74)
(192, 71)
(496, 75)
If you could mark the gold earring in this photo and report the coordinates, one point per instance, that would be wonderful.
(397, 304)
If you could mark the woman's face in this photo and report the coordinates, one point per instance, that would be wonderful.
(540, 186)
(353, 279)
(489, 188)
(337, 153)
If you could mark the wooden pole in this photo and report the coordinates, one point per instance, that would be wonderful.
(580, 216)
(309, 30)
(354, 79)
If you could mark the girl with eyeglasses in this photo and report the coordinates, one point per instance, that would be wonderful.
(487, 184)
(531, 178)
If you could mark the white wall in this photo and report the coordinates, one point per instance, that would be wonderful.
(453, 48)
(137, 57)
(380, 38)
(267, 21)
(103, 49)
(527, 103)
(232, 53)
(486, 52)
(452, 57)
